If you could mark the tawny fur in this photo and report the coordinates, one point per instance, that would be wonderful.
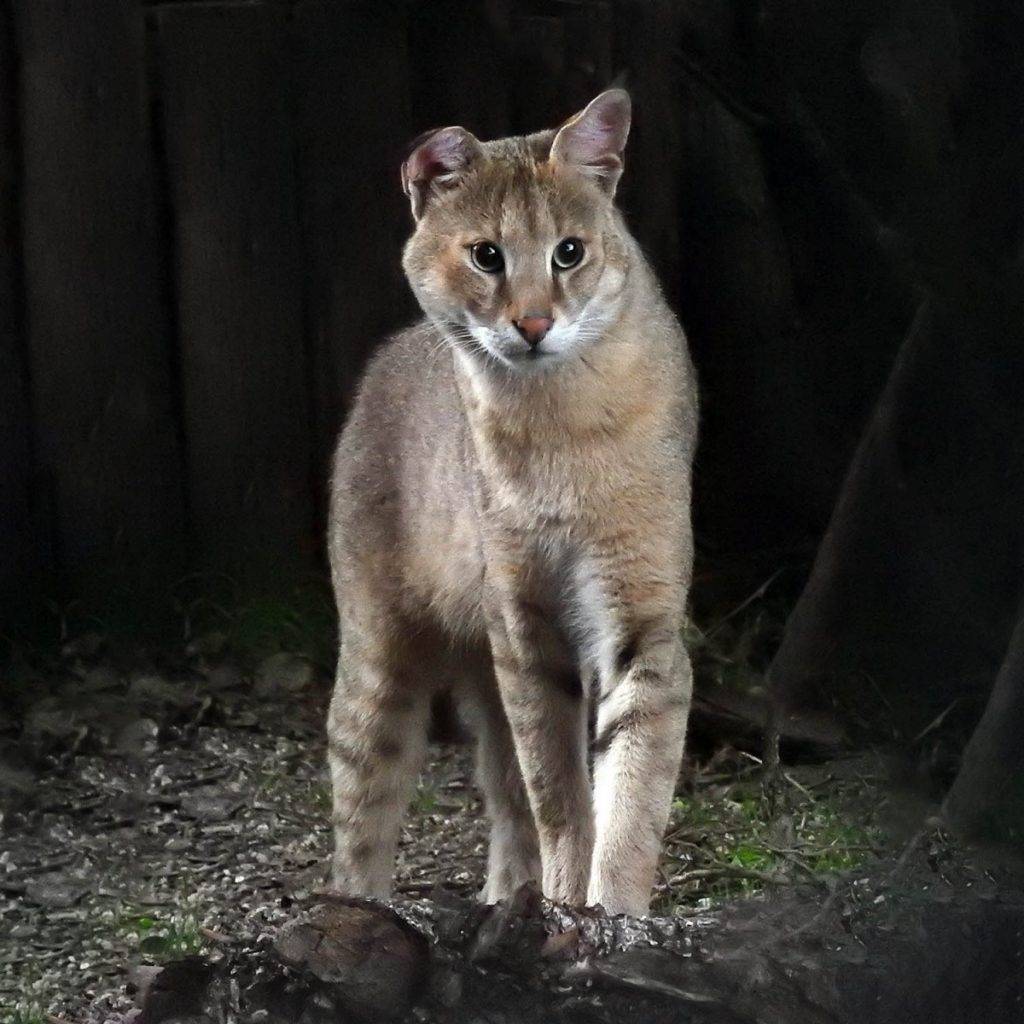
(514, 525)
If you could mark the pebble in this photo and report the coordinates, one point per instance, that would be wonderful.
(54, 891)
(205, 856)
(210, 804)
(283, 674)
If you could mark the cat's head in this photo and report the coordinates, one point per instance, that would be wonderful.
(517, 254)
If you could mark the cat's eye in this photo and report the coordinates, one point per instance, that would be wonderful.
(487, 257)
(567, 253)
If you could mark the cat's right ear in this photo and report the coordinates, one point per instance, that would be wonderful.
(439, 161)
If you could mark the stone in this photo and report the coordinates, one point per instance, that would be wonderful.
(210, 804)
(55, 891)
(370, 962)
(137, 737)
(284, 674)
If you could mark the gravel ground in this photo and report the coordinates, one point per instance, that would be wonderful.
(153, 809)
(146, 817)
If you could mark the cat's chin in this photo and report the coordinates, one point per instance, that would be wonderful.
(531, 362)
(485, 358)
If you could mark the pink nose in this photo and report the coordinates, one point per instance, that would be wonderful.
(533, 328)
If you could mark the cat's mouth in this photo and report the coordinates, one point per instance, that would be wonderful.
(533, 355)
(514, 353)
(534, 358)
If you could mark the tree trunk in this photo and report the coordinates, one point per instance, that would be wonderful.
(987, 797)
(790, 961)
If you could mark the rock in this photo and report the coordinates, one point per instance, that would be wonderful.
(224, 676)
(137, 737)
(283, 674)
(210, 804)
(88, 645)
(370, 962)
(78, 719)
(16, 789)
(159, 698)
(207, 645)
(140, 980)
(97, 680)
(55, 891)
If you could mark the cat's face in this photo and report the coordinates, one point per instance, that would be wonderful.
(517, 255)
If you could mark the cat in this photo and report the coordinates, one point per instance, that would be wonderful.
(510, 520)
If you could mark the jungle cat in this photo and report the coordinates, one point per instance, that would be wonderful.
(510, 520)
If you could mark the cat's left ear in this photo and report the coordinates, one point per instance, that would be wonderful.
(594, 139)
(438, 162)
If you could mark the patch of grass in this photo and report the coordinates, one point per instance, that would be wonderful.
(171, 938)
(425, 799)
(319, 797)
(256, 624)
(303, 623)
(724, 842)
(24, 1013)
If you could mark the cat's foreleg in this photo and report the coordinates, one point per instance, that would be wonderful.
(543, 700)
(638, 746)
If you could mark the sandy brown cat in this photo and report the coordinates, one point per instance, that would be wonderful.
(511, 519)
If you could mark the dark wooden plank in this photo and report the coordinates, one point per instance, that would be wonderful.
(227, 138)
(561, 60)
(588, 51)
(538, 73)
(352, 121)
(96, 313)
(645, 42)
(461, 57)
(20, 560)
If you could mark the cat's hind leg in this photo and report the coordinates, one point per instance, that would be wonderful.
(513, 856)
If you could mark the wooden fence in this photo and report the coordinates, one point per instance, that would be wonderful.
(200, 228)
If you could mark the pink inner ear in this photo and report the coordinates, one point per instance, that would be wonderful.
(445, 151)
(594, 141)
(597, 136)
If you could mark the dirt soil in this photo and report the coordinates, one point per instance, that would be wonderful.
(154, 811)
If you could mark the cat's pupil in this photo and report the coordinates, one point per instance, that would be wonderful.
(487, 256)
(568, 253)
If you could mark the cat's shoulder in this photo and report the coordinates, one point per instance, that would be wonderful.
(404, 358)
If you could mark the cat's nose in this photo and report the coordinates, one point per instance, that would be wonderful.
(533, 328)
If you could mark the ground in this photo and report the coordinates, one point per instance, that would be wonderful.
(154, 808)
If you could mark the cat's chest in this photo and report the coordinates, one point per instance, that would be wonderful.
(550, 488)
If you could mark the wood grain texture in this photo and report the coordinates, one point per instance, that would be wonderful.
(645, 36)
(461, 59)
(227, 136)
(96, 315)
(352, 125)
(24, 558)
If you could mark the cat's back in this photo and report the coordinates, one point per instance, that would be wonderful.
(408, 384)
(400, 459)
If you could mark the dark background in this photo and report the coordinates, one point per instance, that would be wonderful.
(200, 230)
(201, 227)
